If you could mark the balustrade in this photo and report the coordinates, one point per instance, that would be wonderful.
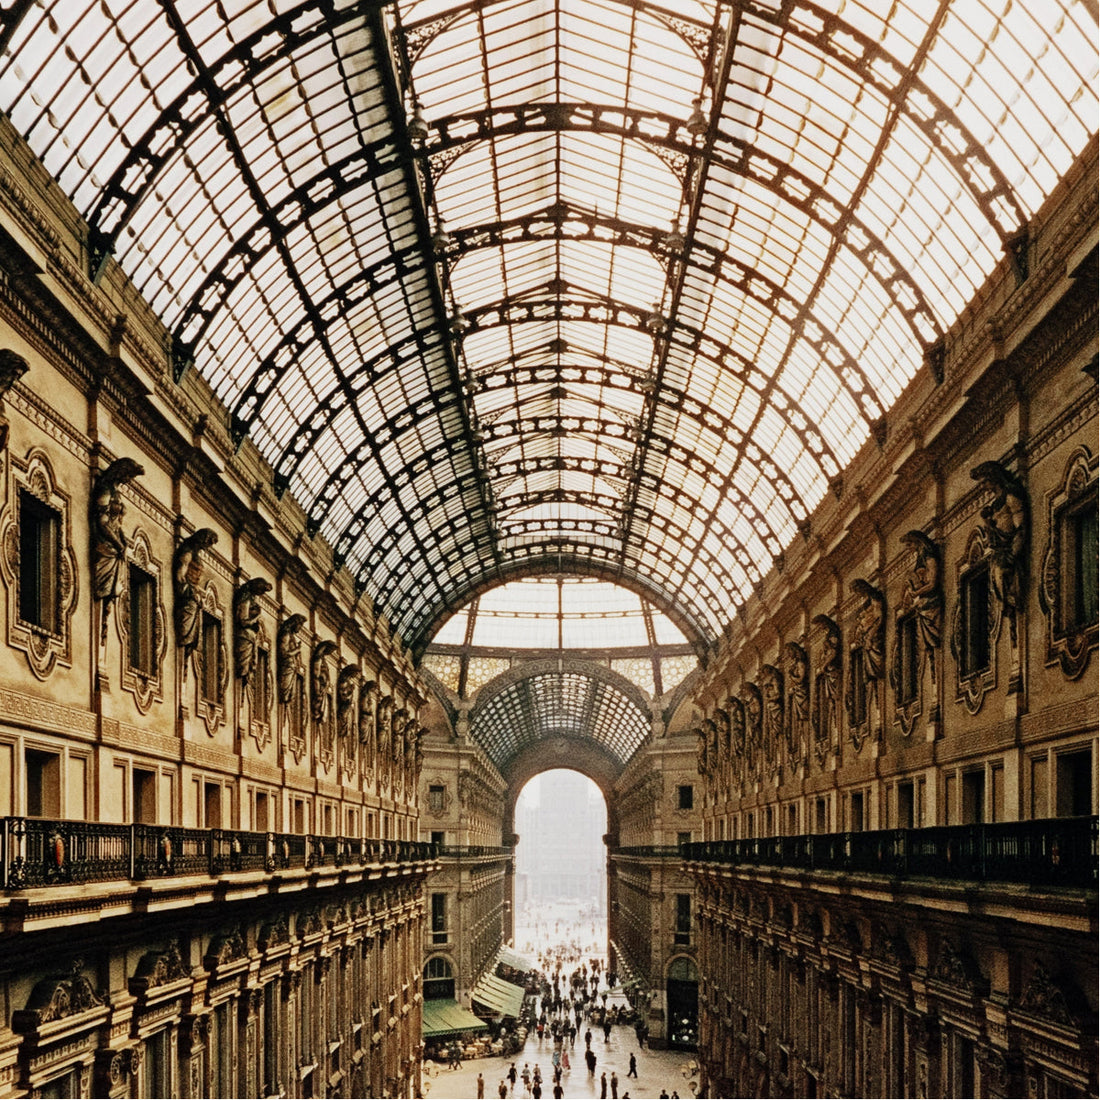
(1049, 852)
(41, 853)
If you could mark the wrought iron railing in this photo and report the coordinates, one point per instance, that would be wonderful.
(471, 851)
(651, 851)
(1051, 852)
(37, 853)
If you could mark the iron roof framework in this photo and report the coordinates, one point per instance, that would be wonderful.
(627, 303)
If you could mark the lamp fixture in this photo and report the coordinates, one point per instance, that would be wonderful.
(441, 239)
(459, 321)
(697, 121)
(418, 126)
(673, 240)
(655, 322)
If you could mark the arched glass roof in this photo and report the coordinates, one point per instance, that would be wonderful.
(555, 702)
(692, 252)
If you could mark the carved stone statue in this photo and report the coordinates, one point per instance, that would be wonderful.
(771, 686)
(187, 576)
(870, 629)
(414, 757)
(827, 688)
(736, 711)
(320, 684)
(108, 539)
(12, 367)
(289, 657)
(798, 696)
(368, 695)
(700, 750)
(385, 739)
(923, 591)
(246, 619)
(754, 716)
(397, 767)
(347, 681)
(1005, 519)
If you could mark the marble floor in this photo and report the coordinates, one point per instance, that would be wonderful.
(657, 1070)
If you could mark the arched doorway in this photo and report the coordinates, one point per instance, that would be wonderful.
(560, 884)
(682, 990)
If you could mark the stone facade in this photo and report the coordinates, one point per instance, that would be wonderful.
(921, 668)
(209, 748)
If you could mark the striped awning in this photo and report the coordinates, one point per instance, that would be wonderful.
(497, 995)
(444, 1018)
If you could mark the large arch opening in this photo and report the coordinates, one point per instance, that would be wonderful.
(560, 883)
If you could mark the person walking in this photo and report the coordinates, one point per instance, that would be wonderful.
(633, 1071)
(603, 1086)
(590, 1059)
(614, 1085)
(480, 1087)
(502, 1090)
(588, 1039)
(512, 1075)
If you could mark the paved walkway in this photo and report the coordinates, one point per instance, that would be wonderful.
(657, 1070)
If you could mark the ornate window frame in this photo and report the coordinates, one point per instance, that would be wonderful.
(971, 687)
(1067, 645)
(907, 670)
(145, 689)
(211, 710)
(44, 649)
(445, 802)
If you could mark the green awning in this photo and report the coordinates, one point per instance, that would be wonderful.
(514, 959)
(445, 1018)
(497, 995)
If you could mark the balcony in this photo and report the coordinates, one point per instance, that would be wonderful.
(37, 853)
(1058, 852)
(470, 851)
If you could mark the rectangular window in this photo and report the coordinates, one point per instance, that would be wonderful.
(687, 796)
(908, 660)
(212, 805)
(261, 815)
(143, 621)
(439, 838)
(683, 919)
(855, 812)
(436, 795)
(261, 701)
(974, 608)
(298, 815)
(858, 682)
(905, 806)
(39, 563)
(43, 771)
(821, 816)
(1073, 778)
(973, 797)
(1080, 540)
(211, 658)
(439, 918)
(144, 787)
(682, 839)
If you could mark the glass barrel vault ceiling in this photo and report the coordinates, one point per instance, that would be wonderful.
(654, 329)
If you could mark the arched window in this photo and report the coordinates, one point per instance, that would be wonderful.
(439, 979)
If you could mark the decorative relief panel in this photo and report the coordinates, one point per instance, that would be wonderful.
(38, 565)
